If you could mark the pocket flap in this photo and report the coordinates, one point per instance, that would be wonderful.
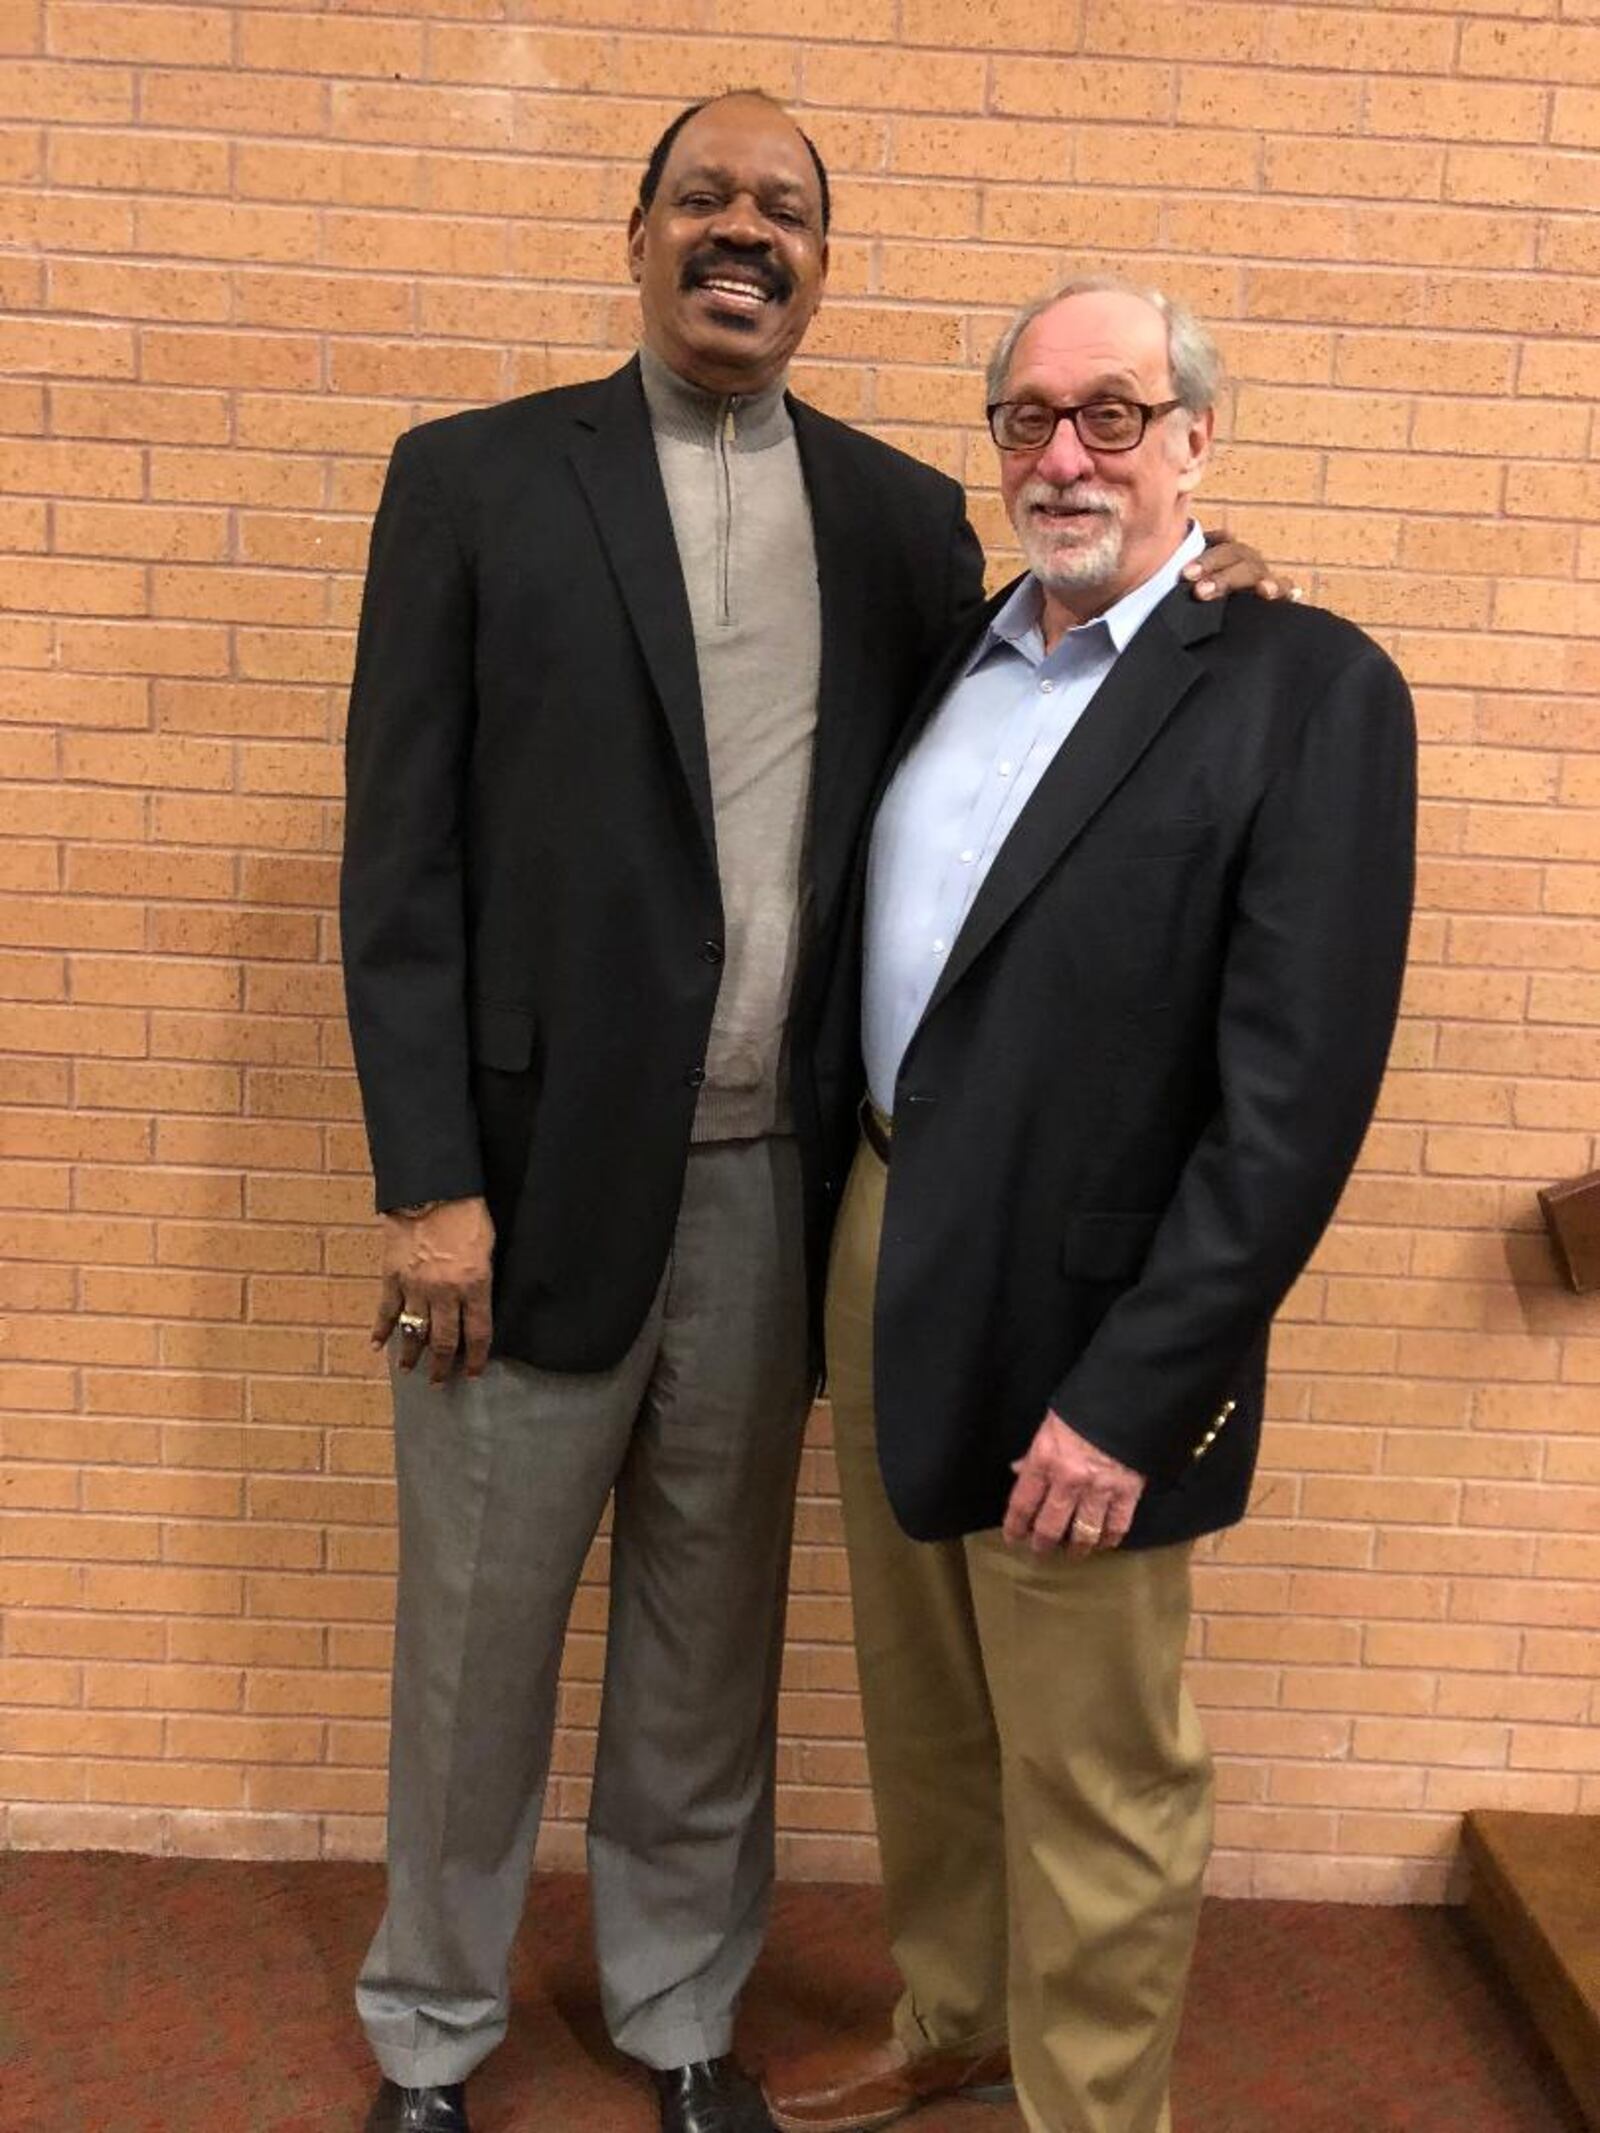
(1106, 1246)
(502, 1036)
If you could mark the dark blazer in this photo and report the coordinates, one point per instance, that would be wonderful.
(532, 924)
(1147, 1068)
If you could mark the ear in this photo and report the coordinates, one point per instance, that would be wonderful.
(1196, 449)
(636, 244)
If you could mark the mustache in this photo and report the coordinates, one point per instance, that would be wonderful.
(1069, 496)
(770, 276)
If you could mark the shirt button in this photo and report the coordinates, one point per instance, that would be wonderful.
(1004, 769)
(938, 947)
(694, 1077)
(711, 952)
(967, 858)
(1045, 687)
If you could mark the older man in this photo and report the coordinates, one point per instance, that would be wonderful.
(1135, 917)
(632, 655)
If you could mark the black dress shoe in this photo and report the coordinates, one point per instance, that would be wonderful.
(398, 2110)
(709, 2096)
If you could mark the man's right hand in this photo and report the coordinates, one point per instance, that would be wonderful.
(436, 1268)
(1067, 1489)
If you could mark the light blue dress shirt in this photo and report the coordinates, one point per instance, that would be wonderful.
(953, 801)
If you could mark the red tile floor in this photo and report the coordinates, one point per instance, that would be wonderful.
(181, 1996)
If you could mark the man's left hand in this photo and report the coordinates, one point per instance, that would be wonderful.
(1230, 566)
(1066, 1489)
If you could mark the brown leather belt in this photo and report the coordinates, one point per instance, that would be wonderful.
(876, 1130)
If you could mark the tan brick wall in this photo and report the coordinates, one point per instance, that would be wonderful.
(244, 245)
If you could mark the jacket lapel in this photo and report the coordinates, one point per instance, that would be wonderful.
(839, 522)
(1138, 697)
(614, 456)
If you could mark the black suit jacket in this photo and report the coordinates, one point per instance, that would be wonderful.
(532, 923)
(1147, 1068)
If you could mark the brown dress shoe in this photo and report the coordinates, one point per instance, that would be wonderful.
(870, 2079)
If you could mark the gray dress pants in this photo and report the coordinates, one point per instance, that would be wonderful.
(502, 1482)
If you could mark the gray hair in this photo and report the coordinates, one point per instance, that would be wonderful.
(1191, 353)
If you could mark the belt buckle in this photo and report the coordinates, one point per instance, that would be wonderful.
(876, 1130)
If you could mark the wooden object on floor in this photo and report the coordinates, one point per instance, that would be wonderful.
(1535, 1891)
(1572, 1216)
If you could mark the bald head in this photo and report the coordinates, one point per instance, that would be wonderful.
(1192, 358)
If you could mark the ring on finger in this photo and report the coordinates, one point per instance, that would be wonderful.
(412, 1325)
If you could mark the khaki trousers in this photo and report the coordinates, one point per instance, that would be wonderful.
(1042, 1785)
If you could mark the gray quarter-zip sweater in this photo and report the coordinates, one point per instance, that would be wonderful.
(742, 521)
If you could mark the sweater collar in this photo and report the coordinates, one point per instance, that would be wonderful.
(688, 414)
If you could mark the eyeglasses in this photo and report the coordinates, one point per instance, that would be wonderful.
(1102, 425)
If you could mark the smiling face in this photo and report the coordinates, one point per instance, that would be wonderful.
(729, 257)
(1095, 524)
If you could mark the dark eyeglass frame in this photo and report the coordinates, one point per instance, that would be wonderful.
(1145, 410)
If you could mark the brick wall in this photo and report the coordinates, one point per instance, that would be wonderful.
(244, 245)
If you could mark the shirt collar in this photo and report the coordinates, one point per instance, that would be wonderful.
(1022, 615)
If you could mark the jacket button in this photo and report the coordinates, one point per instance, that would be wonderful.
(694, 1077)
(711, 952)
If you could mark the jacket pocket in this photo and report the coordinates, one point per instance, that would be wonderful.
(1106, 1247)
(502, 1036)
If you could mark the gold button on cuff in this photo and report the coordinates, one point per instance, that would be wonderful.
(1215, 1430)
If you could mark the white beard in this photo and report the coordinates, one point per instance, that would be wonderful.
(1069, 559)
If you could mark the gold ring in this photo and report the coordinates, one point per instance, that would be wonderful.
(410, 1324)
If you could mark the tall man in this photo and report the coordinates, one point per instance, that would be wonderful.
(631, 657)
(1135, 918)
